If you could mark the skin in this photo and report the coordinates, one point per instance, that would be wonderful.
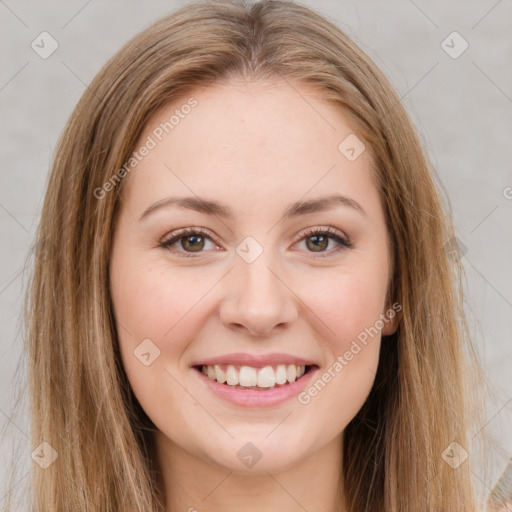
(257, 147)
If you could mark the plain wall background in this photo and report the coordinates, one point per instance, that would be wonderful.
(461, 106)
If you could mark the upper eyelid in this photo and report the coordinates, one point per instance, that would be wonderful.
(325, 229)
(183, 232)
(188, 231)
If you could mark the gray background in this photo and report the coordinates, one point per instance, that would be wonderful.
(461, 106)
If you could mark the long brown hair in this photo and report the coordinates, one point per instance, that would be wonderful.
(81, 402)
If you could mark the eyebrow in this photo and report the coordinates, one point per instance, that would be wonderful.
(210, 207)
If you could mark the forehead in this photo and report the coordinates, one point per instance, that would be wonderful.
(243, 139)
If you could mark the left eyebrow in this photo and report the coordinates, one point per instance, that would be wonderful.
(198, 204)
(210, 207)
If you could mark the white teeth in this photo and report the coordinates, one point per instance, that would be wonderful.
(247, 376)
(221, 375)
(231, 375)
(291, 373)
(281, 374)
(266, 377)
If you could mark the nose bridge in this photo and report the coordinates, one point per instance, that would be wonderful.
(260, 286)
(257, 297)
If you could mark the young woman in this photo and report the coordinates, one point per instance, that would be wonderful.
(247, 295)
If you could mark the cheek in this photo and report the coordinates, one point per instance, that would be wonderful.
(168, 307)
(150, 301)
(156, 306)
(348, 303)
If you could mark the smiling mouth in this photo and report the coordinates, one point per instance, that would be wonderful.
(251, 378)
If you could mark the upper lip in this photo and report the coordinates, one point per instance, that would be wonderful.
(257, 361)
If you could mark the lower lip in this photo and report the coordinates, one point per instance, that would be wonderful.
(253, 397)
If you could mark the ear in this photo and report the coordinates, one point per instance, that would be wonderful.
(392, 319)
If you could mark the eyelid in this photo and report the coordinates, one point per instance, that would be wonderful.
(175, 236)
(325, 229)
(342, 240)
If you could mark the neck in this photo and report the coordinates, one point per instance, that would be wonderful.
(194, 484)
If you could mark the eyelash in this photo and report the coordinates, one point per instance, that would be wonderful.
(343, 243)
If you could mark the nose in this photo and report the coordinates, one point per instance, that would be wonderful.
(257, 298)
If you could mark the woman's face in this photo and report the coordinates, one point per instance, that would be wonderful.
(266, 282)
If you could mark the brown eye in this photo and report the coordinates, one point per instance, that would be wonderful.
(319, 242)
(192, 242)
